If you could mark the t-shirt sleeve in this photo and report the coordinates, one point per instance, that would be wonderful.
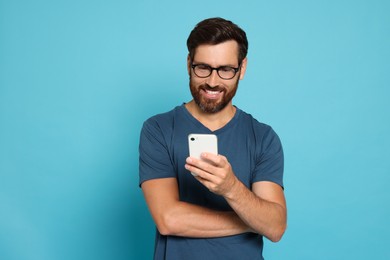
(154, 158)
(270, 159)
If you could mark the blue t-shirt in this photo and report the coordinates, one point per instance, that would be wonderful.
(254, 152)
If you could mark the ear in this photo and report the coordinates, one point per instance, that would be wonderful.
(243, 68)
(189, 65)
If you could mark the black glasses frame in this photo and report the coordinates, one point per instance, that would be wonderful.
(193, 66)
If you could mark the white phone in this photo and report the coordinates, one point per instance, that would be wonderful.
(199, 143)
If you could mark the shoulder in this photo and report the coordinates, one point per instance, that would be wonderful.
(261, 134)
(258, 127)
(162, 117)
(162, 120)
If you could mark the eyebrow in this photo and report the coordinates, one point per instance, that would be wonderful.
(225, 65)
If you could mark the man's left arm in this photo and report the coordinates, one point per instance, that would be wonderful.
(263, 208)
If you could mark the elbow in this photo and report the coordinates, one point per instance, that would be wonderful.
(163, 229)
(277, 234)
(167, 225)
(275, 237)
(279, 228)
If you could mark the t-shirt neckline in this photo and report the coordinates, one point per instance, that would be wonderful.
(203, 128)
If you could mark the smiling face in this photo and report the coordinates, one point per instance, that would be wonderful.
(213, 94)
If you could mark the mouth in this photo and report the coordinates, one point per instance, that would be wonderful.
(212, 94)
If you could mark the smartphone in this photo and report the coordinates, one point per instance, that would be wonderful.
(199, 143)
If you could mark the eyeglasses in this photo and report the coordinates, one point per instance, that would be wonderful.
(224, 72)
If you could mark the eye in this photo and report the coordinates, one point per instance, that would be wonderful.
(226, 69)
(203, 67)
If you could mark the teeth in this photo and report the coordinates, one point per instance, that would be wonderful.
(212, 92)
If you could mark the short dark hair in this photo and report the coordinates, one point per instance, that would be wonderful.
(214, 31)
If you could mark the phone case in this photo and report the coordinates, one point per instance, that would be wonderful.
(199, 143)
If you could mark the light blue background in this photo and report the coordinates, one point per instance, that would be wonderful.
(78, 78)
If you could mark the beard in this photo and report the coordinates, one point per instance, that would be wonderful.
(212, 105)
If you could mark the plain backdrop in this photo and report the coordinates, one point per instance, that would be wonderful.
(78, 78)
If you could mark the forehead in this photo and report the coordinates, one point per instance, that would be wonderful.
(225, 53)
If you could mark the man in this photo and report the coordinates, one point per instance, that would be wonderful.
(235, 197)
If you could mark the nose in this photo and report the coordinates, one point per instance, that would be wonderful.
(213, 79)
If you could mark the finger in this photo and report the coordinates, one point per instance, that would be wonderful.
(209, 185)
(196, 171)
(215, 159)
(201, 173)
(202, 165)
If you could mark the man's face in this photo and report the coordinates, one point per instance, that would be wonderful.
(213, 93)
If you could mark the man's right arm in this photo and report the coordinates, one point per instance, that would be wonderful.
(177, 218)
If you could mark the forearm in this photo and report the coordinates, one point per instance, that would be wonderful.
(262, 216)
(178, 218)
(188, 220)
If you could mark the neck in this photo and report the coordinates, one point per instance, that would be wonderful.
(212, 121)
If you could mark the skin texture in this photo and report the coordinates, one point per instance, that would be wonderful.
(261, 209)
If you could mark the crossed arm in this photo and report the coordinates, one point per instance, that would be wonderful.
(261, 210)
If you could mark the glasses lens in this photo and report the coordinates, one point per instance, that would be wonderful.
(202, 71)
(226, 72)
